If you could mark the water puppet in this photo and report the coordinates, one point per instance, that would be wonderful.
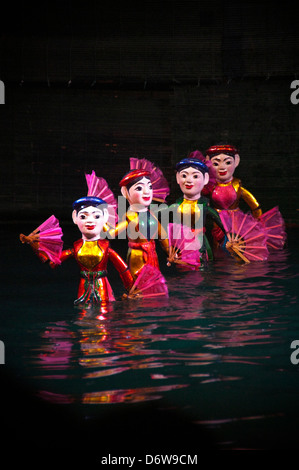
(190, 211)
(225, 192)
(140, 186)
(92, 252)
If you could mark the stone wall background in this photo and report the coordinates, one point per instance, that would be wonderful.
(89, 85)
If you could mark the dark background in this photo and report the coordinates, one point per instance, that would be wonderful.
(90, 84)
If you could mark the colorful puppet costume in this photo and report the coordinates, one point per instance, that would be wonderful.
(226, 196)
(92, 258)
(141, 224)
(91, 252)
(142, 230)
(224, 190)
(197, 212)
(193, 210)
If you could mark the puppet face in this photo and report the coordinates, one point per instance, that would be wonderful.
(140, 193)
(90, 221)
(191, 182)
(223, 167)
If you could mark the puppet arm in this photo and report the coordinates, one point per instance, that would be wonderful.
(65, 254)
(119, 228)
(252, 202)
(122, 268)
(163, 237)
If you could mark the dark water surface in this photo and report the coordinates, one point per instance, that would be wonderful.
(207, 368)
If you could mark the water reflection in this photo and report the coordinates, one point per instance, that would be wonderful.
(214, 325)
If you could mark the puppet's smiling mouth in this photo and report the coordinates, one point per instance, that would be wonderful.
(146, 198)
(188, 186)
(222, 172)
(90, 227)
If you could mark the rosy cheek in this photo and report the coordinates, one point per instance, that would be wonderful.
(135, 197)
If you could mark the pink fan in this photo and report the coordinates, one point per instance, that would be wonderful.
(274, 227)
(47, 239)
(160, 186)
(246, 236)
(149, 283)
(184, 245)
(98, 187)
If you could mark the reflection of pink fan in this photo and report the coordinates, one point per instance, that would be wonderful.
(246, 236)
(149, 283)
(274, 227)
(47, 239)
(184, 245)
(159, 182)
(98, 187)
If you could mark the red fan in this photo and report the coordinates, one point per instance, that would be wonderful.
(98, 187)
(274, 227)
(160, 185)
(246, 236)
(46, 239)
(149, 283)
(184, 245)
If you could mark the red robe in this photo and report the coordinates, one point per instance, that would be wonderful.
(92, 258)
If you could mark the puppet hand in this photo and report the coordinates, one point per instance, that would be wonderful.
(23, 238)
(234, 249)
(174, 256)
